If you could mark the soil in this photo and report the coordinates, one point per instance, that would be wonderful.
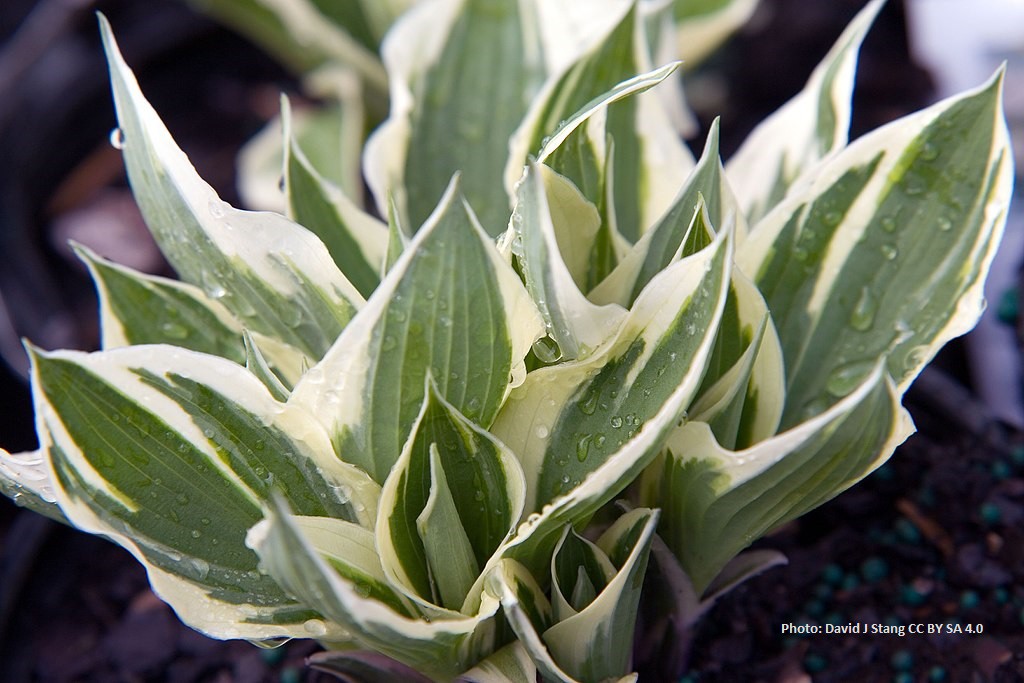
(935, 537)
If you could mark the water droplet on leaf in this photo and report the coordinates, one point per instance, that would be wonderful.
(117, 138)
(863, 315)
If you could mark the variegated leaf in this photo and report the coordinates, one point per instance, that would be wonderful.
(510, 664)
(716, 501)
(743, 392)
(169, 453)
(278, 279)
(700, 26)
(648, 151)
(806, 129)
(356, 241)
(463, 73)
(580, 440)
(308, 33)
(576, 325)
(26, 479)
(330, 135)
(441, 648)
(882, 254)
(596, 643)
(450, 307)
(451, 499)
(136, 308)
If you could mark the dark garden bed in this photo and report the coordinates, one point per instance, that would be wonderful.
(934, 537)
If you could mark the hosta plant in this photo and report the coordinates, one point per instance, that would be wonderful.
(562, 366)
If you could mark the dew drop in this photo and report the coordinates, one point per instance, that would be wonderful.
(216, 208)
(863, 315)
(583, 447)
(389, 343)
(542, 432)
(616, 422)
(196, 533)
(117, 138)
(315, 627)
(182, 499)
(589, 403)
(174, 331)
(845, 378)
(944, 223)
(479, 495)
(890, 252)
(888, 224)
(913, 187)
(929, 152)
(832, 218)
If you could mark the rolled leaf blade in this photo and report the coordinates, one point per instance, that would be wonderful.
(449, 469)
(450, 306)
(441, 648)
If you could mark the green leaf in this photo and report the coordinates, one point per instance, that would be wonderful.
(136, 308)
(882, 254)
(257, 365)
(363, 667)
(715, 501)
(356, 241)
(575, 324)
(554, 422)
(441, 648)
(510, 664)
(462, 77)
(452, 498)
(660, 246)
(169, 452)
(450, 559)
(649, 152)
(565, 421)
(596, 644)
(700, 26)
(578, 567)
(806, 129)
(278, 280)
(450, 306)
(307, 33)
(352, 552)
(25, 478)
(743, 392)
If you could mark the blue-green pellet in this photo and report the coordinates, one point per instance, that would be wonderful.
(990, 513)
(902, 660)
(911, 596)
(1001, 470)
(815, 663)
(906, 530)
(832, 574)
(874, 569)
